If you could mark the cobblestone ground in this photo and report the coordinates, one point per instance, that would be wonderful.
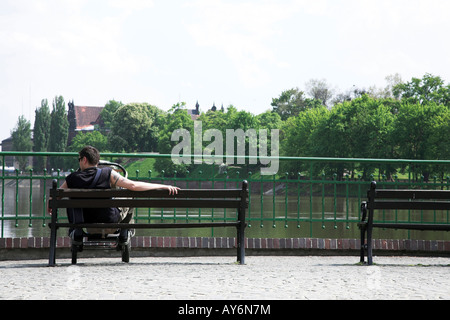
(262, 277)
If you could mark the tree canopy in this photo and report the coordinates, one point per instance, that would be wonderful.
(21, 139)
(403, 120)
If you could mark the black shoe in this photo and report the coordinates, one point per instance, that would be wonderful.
(124, 238)
(76, 237)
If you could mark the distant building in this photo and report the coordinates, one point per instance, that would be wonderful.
(82, 119)
(7, 145)
(11, 161)
(194, 113)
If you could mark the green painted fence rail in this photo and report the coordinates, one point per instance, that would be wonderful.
(321, 200)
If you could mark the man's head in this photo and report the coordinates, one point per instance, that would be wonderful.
(89, 156)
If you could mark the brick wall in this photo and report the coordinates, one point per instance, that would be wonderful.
(329, 245)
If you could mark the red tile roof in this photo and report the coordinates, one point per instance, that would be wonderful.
(86, 116)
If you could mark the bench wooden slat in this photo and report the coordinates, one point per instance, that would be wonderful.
(113, 193)
(410, 205)
(412, 194)
(150, 225)
(413, 226)
(147, 203)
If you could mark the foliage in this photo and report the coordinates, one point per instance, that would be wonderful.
(404, 120)
(94, 138)
(367, 127)
(59, 131)
(41, 134)
(135, 128)
(425, 90)
(297, 137)
(177, 120)
(107, 114)
(320, 90)
(420, 132)
(291, 102)
(21, 139)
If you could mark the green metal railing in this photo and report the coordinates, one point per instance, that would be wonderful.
(321, 200)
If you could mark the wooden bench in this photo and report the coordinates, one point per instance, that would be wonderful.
(186, 198)
(399, 199)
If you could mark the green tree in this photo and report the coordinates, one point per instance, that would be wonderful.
(291, 102)
(439, 143)
(428, 89)
(59, 131)
(320, 90)
(360, 128)
(178, 119)
(158, 117)
(332, 136)
(214, 120)
(439, 140)
(379, 126)
(417, 128)
(107, 114)
(135, 128)
(242, 120)
(41, 133)
(377, 134)
(297, 137)
(415, 125)
(269, 120)
(94, 138)
(21, 139)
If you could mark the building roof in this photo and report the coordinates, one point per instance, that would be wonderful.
(193, 113)
(86, 117)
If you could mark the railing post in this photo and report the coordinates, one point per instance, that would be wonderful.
(53, 228)
(241, 224)
(363, 227)
(371, 198)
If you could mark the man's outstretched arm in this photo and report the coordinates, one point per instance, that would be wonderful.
(118, 181)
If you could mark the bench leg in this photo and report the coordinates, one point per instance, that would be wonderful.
(241, 237)
(369, 245)
(363, 243)
(363, 228)
(240, 244)
(52, 254)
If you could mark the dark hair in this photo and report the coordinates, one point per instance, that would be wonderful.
(91, 154)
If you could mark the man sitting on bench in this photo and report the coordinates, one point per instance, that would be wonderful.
(91, 177)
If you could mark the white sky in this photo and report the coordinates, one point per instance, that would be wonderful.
(215, 51)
